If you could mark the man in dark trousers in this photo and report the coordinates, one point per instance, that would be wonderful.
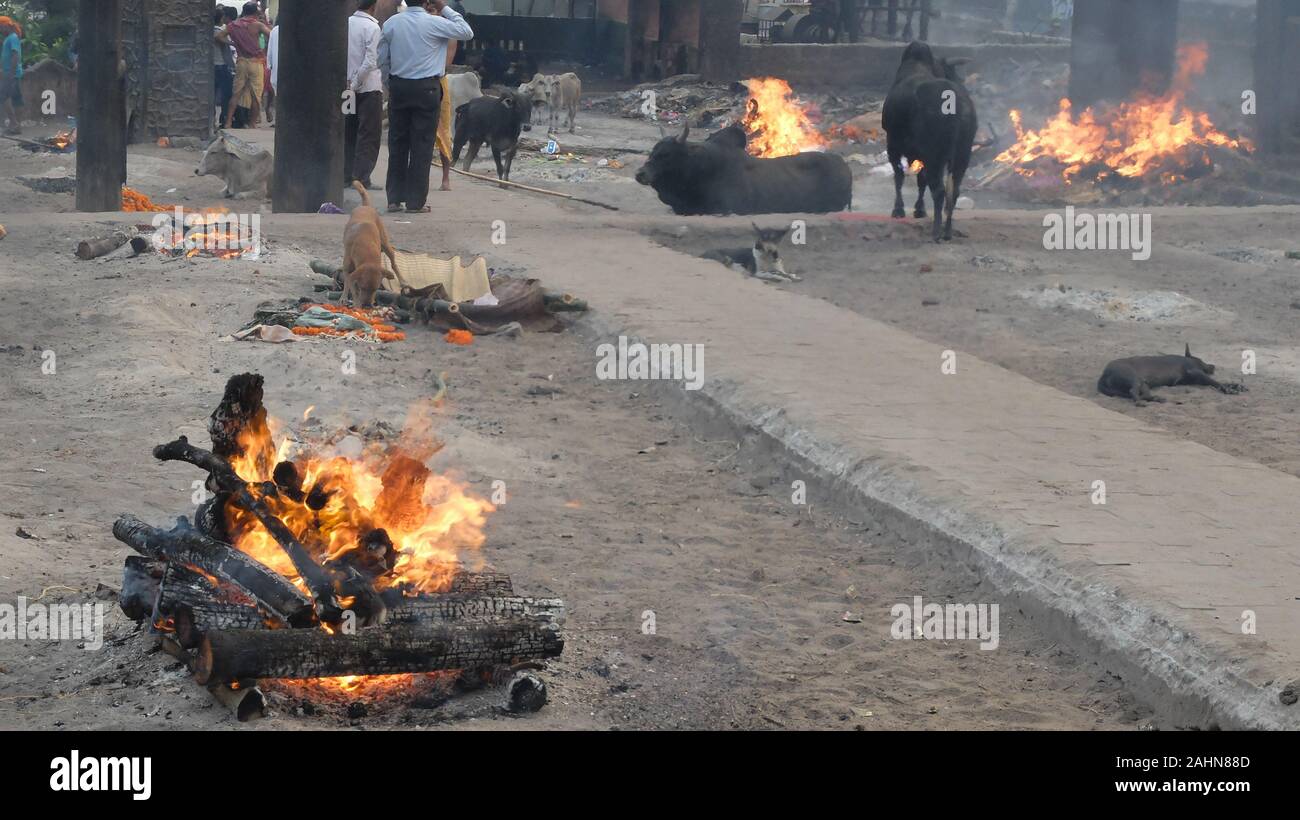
(413, 58)
(365, 127)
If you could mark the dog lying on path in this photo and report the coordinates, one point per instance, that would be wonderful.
(365, 243)
(1133, 378)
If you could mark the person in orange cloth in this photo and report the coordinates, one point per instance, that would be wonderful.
(445, 120)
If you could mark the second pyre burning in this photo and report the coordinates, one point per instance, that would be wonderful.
(1160, 137)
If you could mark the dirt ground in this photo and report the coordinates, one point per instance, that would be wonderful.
(1218, 280)
(614, 504)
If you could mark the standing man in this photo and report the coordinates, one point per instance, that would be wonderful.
(245, 35)
(413, 59)
(11, 73)
(364, 129)
(223, 65)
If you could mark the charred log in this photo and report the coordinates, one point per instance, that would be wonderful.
(312, 653)
(272, 592)
(194, 619)
(478, 610)
(210, 518)
(289, 481)
(140, 579)
(240, 414)
(227, 480)
(246, 703)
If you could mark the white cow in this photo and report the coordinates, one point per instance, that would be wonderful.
(558, 92)
(464, 88)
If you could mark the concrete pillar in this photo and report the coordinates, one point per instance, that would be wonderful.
(1277, 65)
(309, 104)
(1120, 47)
(101, 107)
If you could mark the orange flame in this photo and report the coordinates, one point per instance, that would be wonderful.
(1131, 139)
(777, 123)
(434, 524)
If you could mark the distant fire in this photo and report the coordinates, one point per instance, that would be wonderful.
(1147, 135)
(63, 141)
(776, 123)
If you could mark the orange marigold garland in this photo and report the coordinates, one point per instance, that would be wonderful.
(379, 329)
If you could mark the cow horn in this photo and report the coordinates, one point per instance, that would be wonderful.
(686, 132)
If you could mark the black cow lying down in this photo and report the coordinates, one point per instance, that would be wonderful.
(718, 177)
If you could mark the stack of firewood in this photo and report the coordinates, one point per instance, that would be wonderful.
(235, 621)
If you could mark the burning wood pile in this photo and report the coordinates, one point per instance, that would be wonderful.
(1147, 144)
(776, 122)
(64, 142)
(316, 567)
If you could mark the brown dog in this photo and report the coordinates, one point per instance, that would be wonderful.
(365, 243)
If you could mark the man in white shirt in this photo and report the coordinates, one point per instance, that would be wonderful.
(413, 59)
(364, 128)
(273, 57)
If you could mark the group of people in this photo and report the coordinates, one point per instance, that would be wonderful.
(409, 55)
(11, 74)
(244, 56)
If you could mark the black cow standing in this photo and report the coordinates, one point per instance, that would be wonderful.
(497, 121)
(929, 116)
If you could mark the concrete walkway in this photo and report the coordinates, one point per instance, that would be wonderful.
(1154, 583)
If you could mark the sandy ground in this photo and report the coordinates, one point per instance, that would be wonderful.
(748, 591)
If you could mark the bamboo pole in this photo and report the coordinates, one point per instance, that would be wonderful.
(508, 183)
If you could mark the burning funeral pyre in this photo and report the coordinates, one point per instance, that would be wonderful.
(1160, 140)
(357, 572)
(776, 123)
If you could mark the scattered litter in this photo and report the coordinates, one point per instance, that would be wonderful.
(133, 200)
(850, 618)
(330, 208)
(22, 533)
(276, 334)
(459, 337)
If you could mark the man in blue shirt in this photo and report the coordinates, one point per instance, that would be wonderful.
(11, 73)
(412, 59)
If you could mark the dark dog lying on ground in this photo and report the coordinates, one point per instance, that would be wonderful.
(762, 260)
(1133, 378)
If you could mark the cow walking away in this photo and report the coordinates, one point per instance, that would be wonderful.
(929, 116)
(497, 121)
(718, 177)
